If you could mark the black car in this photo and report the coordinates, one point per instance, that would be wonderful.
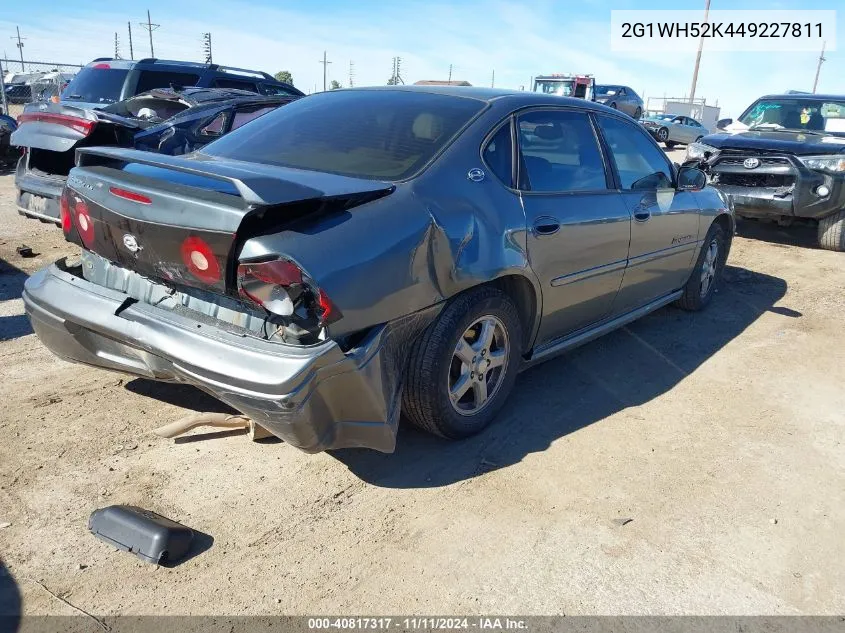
(784, 159)
(19, 93)
(168, 121)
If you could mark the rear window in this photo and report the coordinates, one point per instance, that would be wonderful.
(382, 135)
(235, 83)
(96, 85)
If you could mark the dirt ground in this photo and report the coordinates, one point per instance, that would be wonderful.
(689, 463)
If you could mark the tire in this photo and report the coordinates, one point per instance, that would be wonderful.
(638, 112)
(613, 105)
(434, 366)
(832, 232)
(663, 134)
(669, 144)
(695, 296)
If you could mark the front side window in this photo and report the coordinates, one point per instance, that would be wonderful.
(639, 162)
(560, 152)
(381, 135)
(498, 155)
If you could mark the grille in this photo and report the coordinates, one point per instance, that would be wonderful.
(756, 180)
(738, 160)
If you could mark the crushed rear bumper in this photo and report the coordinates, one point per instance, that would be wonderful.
(313, 397)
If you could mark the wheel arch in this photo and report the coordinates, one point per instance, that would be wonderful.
(528, 302)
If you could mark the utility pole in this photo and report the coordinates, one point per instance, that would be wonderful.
(351, 73)
(116, 46)
(325, 62)
(19, 44)
(450, 74)
(493, 79)
(150, 27)
(131, 52)
(822, 59)
(206, 47)
(698, 55)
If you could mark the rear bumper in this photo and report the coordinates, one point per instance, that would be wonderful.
(315, 398)
(38, 196)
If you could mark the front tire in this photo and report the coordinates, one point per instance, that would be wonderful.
(707, 272)
(464, 365)
(832, 232)
(663, 134)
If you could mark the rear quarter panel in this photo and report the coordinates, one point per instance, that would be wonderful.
(435, 236)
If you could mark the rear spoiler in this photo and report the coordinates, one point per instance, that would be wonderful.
(257, 184)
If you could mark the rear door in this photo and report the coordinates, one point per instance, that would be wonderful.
(578, 225)
(664, 230)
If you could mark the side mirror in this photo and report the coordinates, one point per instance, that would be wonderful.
(691, 179)
(721, 124)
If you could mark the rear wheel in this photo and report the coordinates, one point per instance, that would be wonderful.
(707, 272)
(613, 105)
(638, 112)
(832, 232)
(669, 144)
(464, 365)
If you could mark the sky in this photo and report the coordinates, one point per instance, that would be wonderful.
(515, 38)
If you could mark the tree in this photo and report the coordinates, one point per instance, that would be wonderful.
(335, 85)
(284, 76)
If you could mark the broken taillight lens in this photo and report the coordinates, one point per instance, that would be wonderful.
(280, 286)
(200, 259)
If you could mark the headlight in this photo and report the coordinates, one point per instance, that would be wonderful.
(835, 164)
(696, 151)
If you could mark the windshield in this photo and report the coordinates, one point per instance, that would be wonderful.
(96, 85)
(561, 88)
(606, 91)
(797, 114)
(381, 135)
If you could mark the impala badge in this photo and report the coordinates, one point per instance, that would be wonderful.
(131, 243)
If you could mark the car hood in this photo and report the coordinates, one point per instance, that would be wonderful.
(797, 143)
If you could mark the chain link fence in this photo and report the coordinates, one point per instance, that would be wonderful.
(28, 81)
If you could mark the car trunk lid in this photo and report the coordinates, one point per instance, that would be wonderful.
(177, 219)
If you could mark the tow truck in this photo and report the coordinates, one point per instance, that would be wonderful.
(566, 85)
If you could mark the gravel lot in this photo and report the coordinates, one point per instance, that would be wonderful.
(718, 435)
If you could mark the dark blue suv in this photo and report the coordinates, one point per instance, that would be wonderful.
(106, 81)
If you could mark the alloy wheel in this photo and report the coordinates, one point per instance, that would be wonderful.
(708, 267)
(478, 365)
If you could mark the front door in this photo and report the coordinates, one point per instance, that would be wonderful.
(664, 230)
(578, 225)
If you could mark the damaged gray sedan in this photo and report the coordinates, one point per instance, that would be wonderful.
(366, 252)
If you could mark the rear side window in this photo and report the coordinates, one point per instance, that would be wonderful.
(270, 89)
(96, 85)
(498, 154)
(149, 79)
(381, 135)
(238, 84)
(641, 164)
(560, 152)
(246, 115)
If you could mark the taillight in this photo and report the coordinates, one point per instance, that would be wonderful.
(83, 221)
(83, 126)
(200, 260)
(64, 213)
(102, 66)
(129, 195)
(280, 286)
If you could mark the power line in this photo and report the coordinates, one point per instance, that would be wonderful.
(396, 78)
(351, 73)
(822, 59)
(19, 44)
(206, 47)
(150, 27)
(116, 46)
(325, 62)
